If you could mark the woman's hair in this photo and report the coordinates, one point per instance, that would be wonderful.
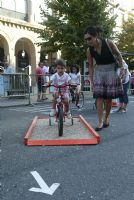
(93, 30)
(60, 62)
(76, 66)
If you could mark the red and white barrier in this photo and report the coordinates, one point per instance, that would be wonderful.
(115, 103)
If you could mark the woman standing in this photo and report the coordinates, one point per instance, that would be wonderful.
(105, 82)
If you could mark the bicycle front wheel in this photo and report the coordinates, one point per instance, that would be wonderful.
(80, 100)
(60, 121)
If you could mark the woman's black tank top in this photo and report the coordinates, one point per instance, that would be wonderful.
(105, 57)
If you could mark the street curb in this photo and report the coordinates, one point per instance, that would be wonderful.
(11, 104)
(23, 104)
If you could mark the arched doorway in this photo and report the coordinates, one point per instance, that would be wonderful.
(4, 49)
(25, 55)
(1, 54)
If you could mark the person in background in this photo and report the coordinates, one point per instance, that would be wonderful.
(125, 81)
(52, 69)
(60, 78)
(1, 70)
(105, 83)
(76, 80)
(1, 80)
(46, 79)
(132, 83)
(40, 80)
(8, 70)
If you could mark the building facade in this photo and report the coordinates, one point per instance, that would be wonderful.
(123, 10)
(18, 34)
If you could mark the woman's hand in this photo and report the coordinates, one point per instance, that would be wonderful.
(122, 72)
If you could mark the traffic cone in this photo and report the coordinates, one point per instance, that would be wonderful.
(115, 103)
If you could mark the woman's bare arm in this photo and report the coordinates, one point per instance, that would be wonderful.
(116, 52)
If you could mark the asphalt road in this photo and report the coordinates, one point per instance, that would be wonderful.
(97, 172)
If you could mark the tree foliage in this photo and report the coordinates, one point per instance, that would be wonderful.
(64, 26)
(126, 41)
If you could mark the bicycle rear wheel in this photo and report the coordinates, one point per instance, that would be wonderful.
(81, 99)
(60, 120)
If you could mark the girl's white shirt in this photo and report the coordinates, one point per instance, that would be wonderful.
(75, 78)
(60, 79)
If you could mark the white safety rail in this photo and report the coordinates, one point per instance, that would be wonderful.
(14, 86)
(24, 86)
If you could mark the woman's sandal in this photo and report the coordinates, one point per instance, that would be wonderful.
(98, 129)
(105, 125)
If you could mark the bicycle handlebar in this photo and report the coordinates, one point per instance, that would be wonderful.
(62, 86)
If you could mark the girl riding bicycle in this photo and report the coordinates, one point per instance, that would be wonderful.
(63, 79)
(76, 80)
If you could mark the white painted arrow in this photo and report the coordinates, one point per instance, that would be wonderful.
(43, 186)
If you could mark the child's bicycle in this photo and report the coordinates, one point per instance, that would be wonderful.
(77, 99)
(60, 110)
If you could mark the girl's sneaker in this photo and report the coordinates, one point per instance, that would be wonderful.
(124, 110)
(78, 105)
(120, 109)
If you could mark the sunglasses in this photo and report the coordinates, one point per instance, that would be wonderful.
(89, 38)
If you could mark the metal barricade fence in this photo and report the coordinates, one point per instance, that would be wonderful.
(86, 87)
(34, 88)
(25, 86)
(14, 85)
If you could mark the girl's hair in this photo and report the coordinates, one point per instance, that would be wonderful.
(76, 66)
(41, 62)
(93, 30)
(60, 62)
